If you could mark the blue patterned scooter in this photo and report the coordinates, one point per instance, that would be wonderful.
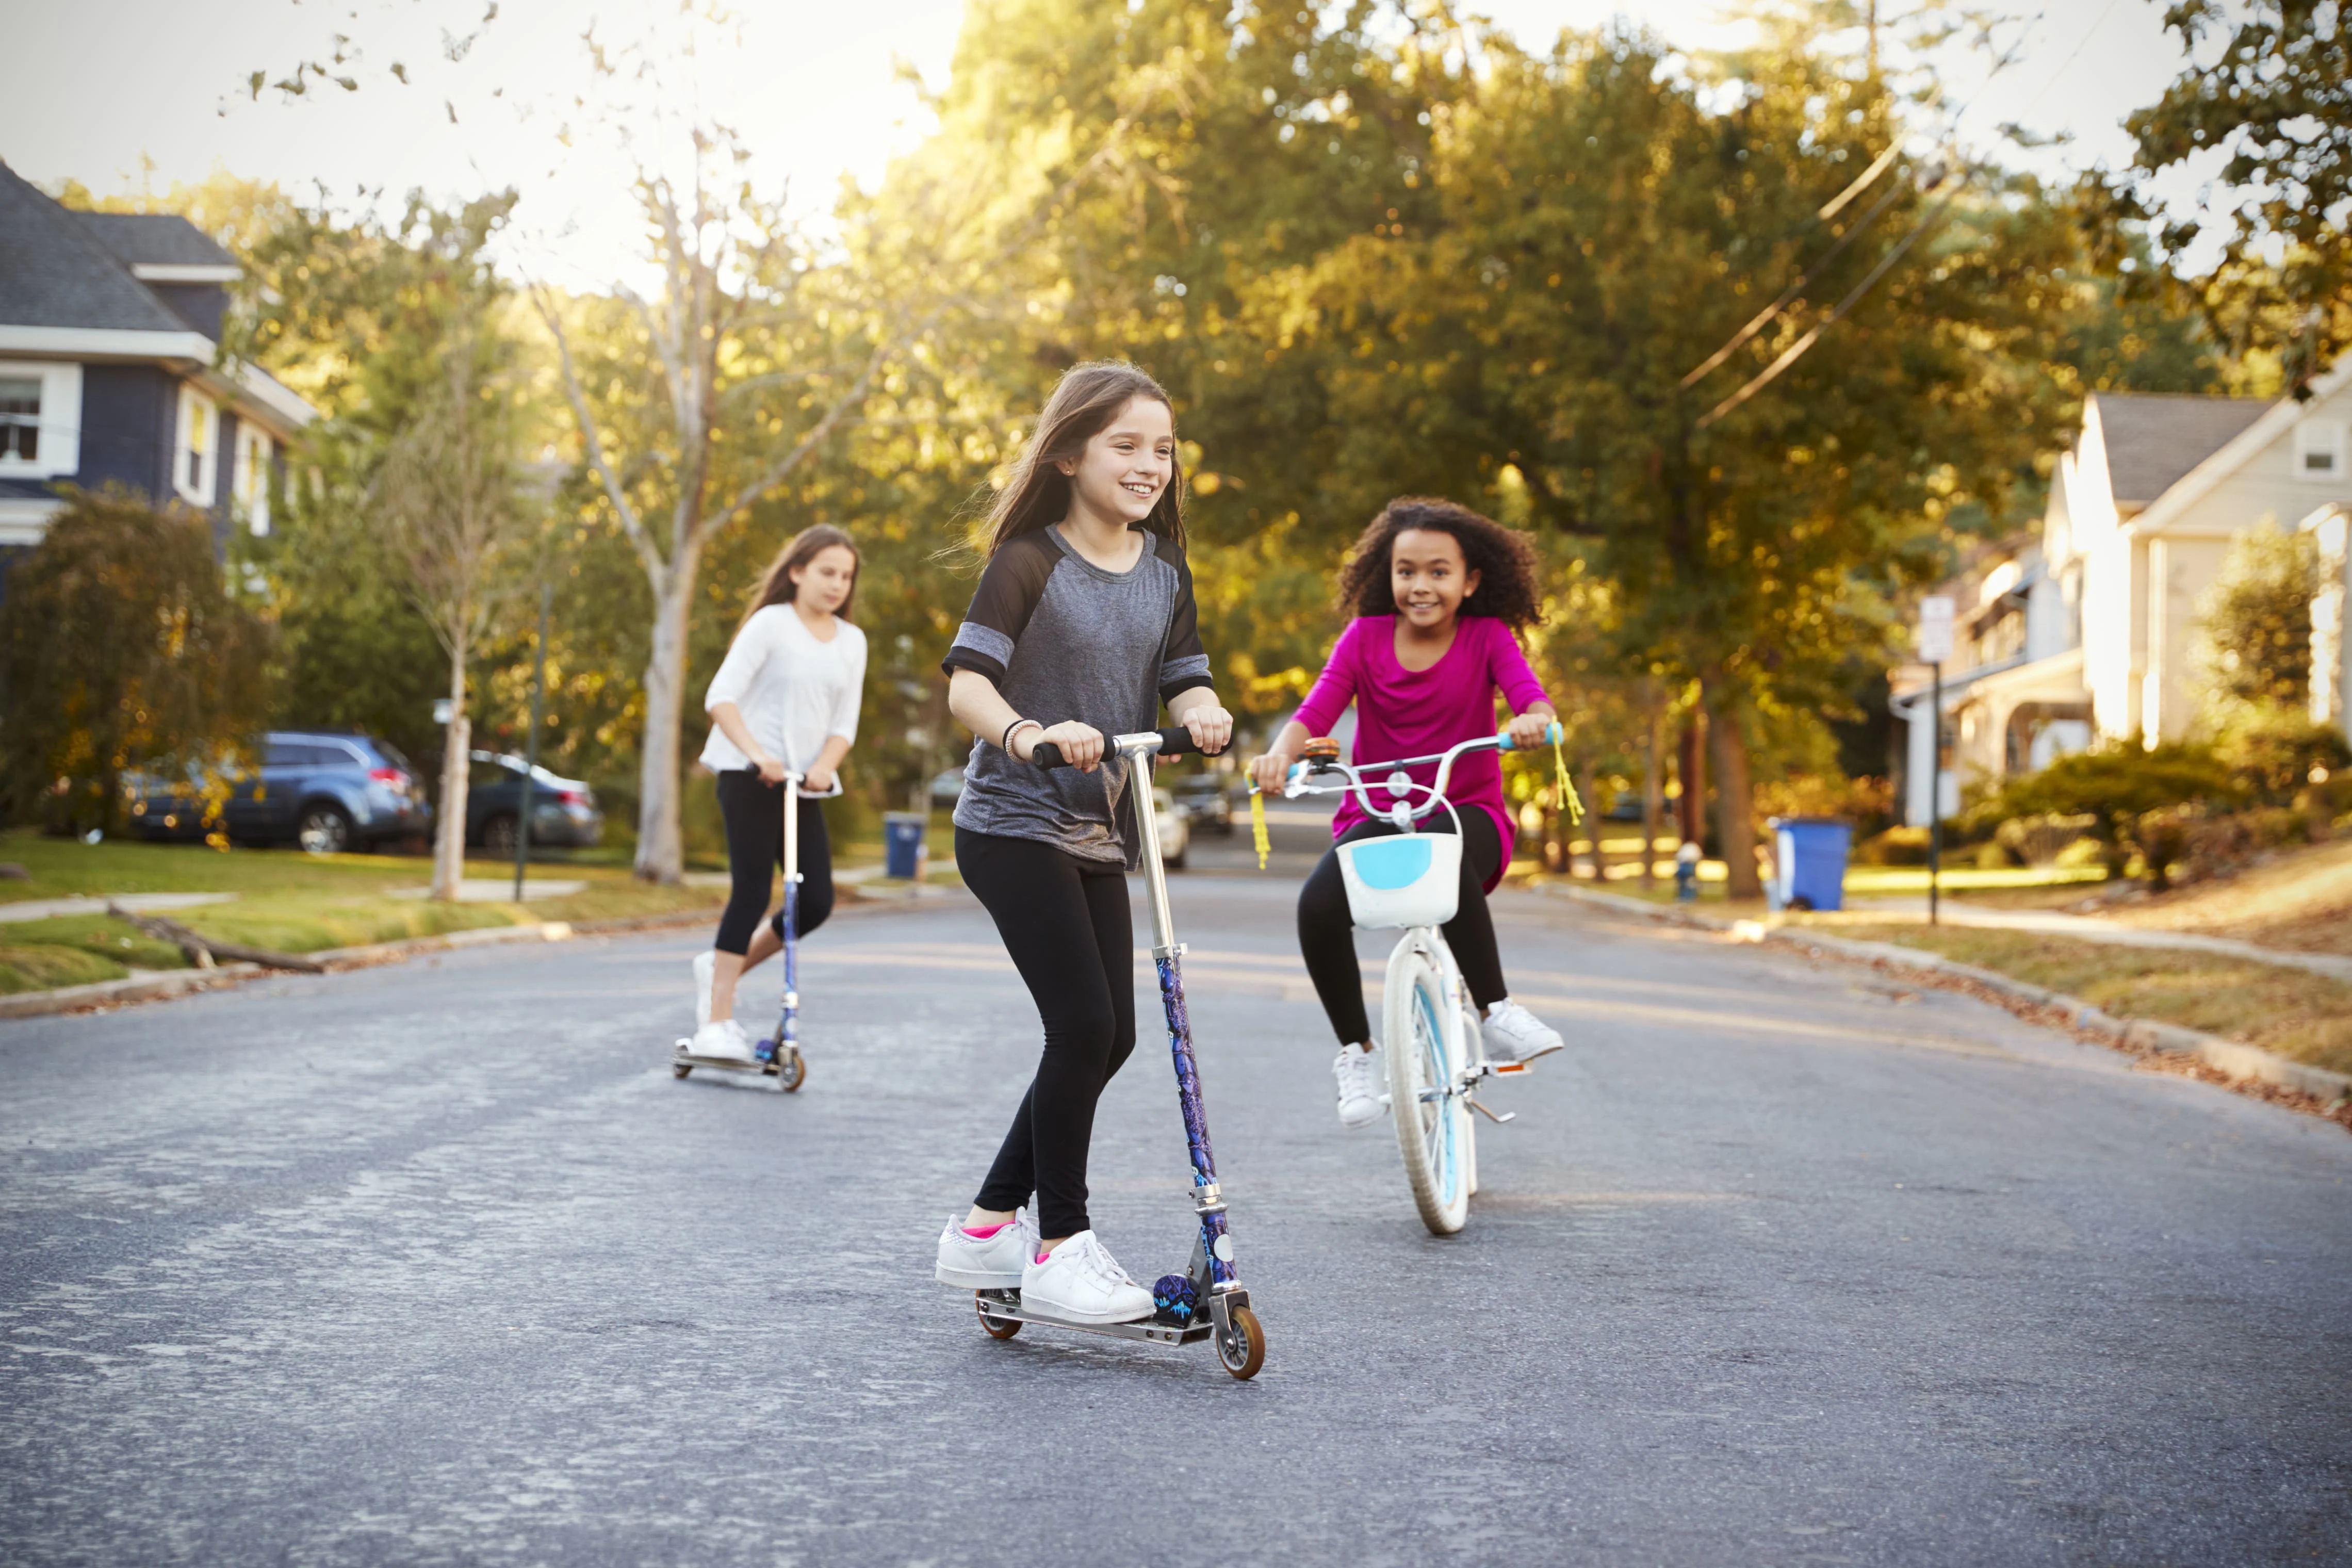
(1206, 1302)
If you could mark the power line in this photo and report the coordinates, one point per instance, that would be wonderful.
(1790, 356)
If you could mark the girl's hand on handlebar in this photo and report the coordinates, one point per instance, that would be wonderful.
(1270, 771)
(1212, 729)
(1081, 745)
(771, 772)
(1532, 729)
(818, 781)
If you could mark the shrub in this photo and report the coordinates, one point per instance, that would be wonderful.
(2276, 749)
(1895, 847)
(2125, 789)
(120, 651)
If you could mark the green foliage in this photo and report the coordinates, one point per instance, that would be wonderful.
(121, 650)
(2277, 750)
(2138, 797)
(2254, 624)
(2268, 84)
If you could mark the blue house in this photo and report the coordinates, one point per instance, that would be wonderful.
(109, 325)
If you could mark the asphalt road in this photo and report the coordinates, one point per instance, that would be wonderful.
(438, 1264)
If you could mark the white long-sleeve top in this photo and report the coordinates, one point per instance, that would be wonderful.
(794, 691)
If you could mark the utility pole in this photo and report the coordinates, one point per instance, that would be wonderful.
(1934, 644)
(530, 745)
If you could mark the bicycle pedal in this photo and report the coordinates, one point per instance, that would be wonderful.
(1507, 1067)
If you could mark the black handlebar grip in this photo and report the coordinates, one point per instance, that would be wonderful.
(1172, 742)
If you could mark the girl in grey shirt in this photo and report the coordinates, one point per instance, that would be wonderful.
(1082, 627)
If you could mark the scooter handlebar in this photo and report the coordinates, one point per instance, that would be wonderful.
(1175, 741)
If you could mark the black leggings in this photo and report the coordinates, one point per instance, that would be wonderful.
(1066, 924)
(754, 812)
(1327, 935)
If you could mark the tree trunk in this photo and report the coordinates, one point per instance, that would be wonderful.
(661, 839)
(1693, 760)
(1735, 822)
(457, 763)
(1652, 796)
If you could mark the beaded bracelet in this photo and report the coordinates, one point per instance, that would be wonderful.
(1005, 743)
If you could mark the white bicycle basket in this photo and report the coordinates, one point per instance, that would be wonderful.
(1409, 880)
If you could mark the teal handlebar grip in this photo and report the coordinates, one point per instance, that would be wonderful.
(1553, 735)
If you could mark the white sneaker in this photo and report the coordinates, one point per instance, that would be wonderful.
(994, 1262)
(1514, 1035)
(1080, 1281)
(704, 963)
(1360, 1085)
(723, 1038)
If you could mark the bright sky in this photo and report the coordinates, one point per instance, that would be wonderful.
(96, 89)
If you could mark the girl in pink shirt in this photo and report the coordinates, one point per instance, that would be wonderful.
(1436, 591)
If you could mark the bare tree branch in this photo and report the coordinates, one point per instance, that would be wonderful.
(593, 443)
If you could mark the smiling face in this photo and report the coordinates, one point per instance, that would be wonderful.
(1428, 578)
(823, 583)
(1126, 464)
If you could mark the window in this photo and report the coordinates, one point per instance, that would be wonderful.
(193, 473)
(40, 419)
(249, 485)
(20, 418)
(2319, 449)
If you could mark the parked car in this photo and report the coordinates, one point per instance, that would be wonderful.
(947, 789)
(1175, 831)
(327, 791)
(563, 812)
(1202, 799)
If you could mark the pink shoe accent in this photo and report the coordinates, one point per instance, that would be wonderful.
(984, 1232)
(1043, 1255)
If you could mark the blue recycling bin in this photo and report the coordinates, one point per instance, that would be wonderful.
(1809, 868)
(902, 843)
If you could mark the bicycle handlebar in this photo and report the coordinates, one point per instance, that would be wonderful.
(1175, 741)
(1498, 741)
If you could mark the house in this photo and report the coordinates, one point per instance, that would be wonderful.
(2088, 631)
(109, 331)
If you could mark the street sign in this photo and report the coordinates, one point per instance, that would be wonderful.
(1934, 643)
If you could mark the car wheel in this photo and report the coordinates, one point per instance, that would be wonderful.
(498, 835)
(325, 830)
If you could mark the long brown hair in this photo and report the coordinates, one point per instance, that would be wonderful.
(1511, 573)
(777, 587)
(1087, 397)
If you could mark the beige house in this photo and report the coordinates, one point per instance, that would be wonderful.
(2088, 632)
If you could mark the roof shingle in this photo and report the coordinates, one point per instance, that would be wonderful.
(54, 273)
(164, 239)
(2154, 438)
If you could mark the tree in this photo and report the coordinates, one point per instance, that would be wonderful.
(2268, 87)
(452, 515)
(120, 651)
(2254, 624)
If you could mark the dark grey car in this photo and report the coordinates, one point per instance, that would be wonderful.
(563, 814)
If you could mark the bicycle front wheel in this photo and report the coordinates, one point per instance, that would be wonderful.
(1432, 1120)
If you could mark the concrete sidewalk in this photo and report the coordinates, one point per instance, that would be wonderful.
(137, 903)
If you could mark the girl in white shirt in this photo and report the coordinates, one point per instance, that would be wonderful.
(785, 698)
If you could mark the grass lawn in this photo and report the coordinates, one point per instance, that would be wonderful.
(284, 899)
(2306, 1017)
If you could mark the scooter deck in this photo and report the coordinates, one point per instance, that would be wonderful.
(680, 1057)
(1005, 1306)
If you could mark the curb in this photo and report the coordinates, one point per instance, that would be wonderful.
(341, 960)
(2233, 1059)
(118, 992)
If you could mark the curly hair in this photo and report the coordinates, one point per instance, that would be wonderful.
(1510, 574)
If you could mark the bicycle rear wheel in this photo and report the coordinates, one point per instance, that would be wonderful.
(1432, 1122)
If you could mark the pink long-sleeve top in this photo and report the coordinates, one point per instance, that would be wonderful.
(1403, 712)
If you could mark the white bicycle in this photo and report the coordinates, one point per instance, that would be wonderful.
(1437, 1050)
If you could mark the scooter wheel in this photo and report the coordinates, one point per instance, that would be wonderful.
(998, 1328)
(679, 1069)
(791, 1070)
(1240, 1347)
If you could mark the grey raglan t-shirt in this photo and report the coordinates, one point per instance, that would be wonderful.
(1062, 638)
